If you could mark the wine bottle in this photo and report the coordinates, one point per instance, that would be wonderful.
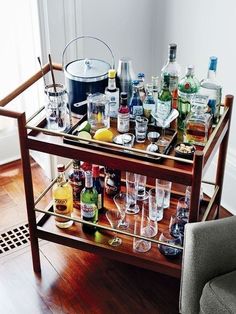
(98, 186)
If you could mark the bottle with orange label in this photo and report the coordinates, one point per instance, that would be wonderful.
(62, 194)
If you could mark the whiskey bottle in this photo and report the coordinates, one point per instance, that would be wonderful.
(112, 93)
(123, 114)
(112, 181)
(62, 199)
(88, 203)
(173, 69)
(211, 88)
(187, 89)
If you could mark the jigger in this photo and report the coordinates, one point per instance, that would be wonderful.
(153, 137)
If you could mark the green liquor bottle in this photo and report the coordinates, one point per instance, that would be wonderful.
(187, 89)
(164, 101)
(88, 203)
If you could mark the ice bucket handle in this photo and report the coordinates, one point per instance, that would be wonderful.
(90, 37)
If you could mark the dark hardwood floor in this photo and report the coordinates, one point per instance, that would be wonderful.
(71, 281)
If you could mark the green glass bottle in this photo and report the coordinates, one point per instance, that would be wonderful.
(88, 203)
(164, 100)
(187, 89)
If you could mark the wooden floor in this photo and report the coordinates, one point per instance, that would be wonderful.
(71, 281)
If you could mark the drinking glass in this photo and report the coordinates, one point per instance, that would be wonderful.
(166, 250)
(113, 216)
(141, 186)
(156, 202)
(176, 227)
(131, 194)
(140, 129)
(166, 187)
(188, 195)
(149, 220)
(120, 201)
(182, 210)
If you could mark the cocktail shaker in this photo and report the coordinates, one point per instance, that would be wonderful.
(125, 75)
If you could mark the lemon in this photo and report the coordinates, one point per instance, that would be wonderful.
(85, 126)
(85, 135)
(104, 135)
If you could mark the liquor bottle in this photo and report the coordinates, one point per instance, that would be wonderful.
(76, 180)
(123, 114)
(149, 105)
(112, 93)
(62, 195)
(173, 69)
(211, 88)
(163, 107)
(112, 181)
(88, 203)
(86, 166)
(135, 104)
(197, 125)
(142, 92)
(187, 89)
(97, 185)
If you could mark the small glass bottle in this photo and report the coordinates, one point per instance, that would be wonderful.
(173, 69)
(112, 93)
(62, 199)
(187, 89)
(197, 126)
(142, 92)
(211, 88)
(98, 186)
(76, 180)
(164, 100)
(123, 114)
(135, 104)
(149, 105)
(88, 203)
(112, 181)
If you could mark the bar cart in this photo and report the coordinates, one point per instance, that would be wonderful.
(171, 168)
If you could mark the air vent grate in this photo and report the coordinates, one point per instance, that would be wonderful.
(13, 239)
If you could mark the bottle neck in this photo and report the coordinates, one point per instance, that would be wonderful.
(61, 179)
(112, 84)
(211, 75)
(88, 179)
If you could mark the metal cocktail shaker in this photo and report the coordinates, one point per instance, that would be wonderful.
(125, 75)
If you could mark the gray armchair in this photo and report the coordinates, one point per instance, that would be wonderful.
(208, 283)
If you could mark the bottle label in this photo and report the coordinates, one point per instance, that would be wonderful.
(163, 109)
(173, 83)
(137, 111)
(113, 103)
(186, 96)
(61, 207)
(123, 122)
(99, 201)
(88, 210)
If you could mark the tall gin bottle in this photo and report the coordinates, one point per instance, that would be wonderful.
(62, 199)
(112, 93)
(211, 88)
(173, 69)
(187, 89)
(88, 203)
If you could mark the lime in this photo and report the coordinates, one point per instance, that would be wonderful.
(84, 126)
(85, 135)
(104, 135)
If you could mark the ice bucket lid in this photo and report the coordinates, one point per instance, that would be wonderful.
(87, 70)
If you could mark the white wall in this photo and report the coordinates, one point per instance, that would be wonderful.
(142, 30)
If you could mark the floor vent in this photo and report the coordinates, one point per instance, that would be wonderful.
(14, 239)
